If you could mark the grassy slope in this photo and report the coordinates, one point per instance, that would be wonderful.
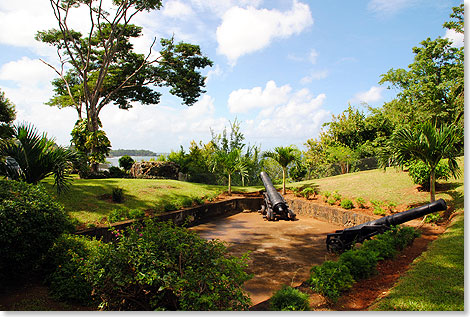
(86, 199)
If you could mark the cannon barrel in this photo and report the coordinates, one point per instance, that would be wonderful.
(272, 193)
(276, 206)
(343, 239)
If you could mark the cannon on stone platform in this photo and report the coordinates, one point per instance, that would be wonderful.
(344, 239)
(275, 207)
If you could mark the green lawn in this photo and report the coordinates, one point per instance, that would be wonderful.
(88, 200)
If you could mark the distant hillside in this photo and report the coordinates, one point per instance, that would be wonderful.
(122, 152)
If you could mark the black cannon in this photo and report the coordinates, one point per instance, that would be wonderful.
(344, 239)
(275, 207)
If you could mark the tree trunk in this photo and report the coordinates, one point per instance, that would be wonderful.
(284, 180)
(93, 126)
(229, 185)
(432, 180)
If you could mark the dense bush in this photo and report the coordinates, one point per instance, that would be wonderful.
(67, 268)
(420, 173)
(360, 202)
(121, 214)
(289, 299)
(162, 266)
(118, 195)
(30, 221)
(330, 279)
(361, 263)
(116, 172)
(309, 191)
(126, 162)
(347, 204)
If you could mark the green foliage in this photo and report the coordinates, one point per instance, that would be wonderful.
(347, 204)
(93, 145)
(433, 218)
(420, 173)
(123, 213)
(116, 172)
(162, 266)
(67, 261)
(360, 202)
(379, 211)
(336, 196)
(289, 299)
(126, 162)
(30, 221)
(33, 157)
(284, 156)
(118, 195)
(331, 201)
(7, 116)
(362, 263)
(326, 194)
(308, 191)
(330, 279)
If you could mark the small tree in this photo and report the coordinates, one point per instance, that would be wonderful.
(33, 157)
(284, 156)
(429, 144)
(7, 115)
(230, 163)
(126, 162)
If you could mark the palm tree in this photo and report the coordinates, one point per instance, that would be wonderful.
(429, 144)
(284, 156)
(30, 157)
(230, 163)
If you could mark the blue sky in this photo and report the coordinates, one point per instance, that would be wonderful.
(282, 67)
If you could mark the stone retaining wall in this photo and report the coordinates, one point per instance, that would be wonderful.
(196, 215)
(331, 214)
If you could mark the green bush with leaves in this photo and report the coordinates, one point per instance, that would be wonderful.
(361, 263)
(289, 299)
(360, 202)
(330, 279)
(162, 266)
(336, 196)
(67, 262)
(118, 195)
(121, 214)
(331, 201)
(379, 211)
(309, 191)
(30, 222)
(347, 204)
(420, 173)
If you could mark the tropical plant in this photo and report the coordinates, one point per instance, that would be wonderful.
(289, 299)
(230, 163)
(126, 162)
(284, 156)
(429, 144)
(32, 157)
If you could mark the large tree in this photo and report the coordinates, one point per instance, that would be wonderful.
(433, 86)
(7, 116)
(101, 68)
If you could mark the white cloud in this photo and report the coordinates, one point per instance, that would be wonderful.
(245, 31)
(280, 114)
(244, 100)
(177, 9)
(456, 38)
(27, 71)
(389, 7)
(374, 94)
(313, 56)
(314, 75)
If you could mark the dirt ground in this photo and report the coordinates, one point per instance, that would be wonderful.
(281, 252)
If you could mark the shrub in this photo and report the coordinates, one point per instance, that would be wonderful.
(420, 173)
(30, 221)
(162, 266)
(391, 206)
(136, 213)
(336, 196)
(169, 206)
(126, 162)
(119, 214)
(326, 194)
(347, 204)
(116, 172)
(433, 218)
(118, 195)
(330, 279)
(309, 191)
(361, 202)
(187, 202)
(67, 260)
(297, 191)
(379, 211)
(289, 299)
(361, 263)
(331, 201)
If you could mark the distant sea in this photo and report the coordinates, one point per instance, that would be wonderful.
(114, 161)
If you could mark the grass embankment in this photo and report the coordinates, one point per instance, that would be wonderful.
(89, 200)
